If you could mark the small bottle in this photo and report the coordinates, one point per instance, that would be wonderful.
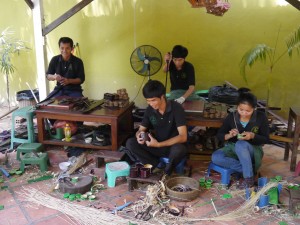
(67, 130)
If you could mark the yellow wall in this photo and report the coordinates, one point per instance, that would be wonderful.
(109, 30)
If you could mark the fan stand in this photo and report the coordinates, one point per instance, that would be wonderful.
(146, 61)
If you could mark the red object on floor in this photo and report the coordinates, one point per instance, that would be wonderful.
(297, 171)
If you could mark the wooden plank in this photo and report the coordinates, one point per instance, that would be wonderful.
(65, 16)
(29, 3)
(295, 3)
(280, 138)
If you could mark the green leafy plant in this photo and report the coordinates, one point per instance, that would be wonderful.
(264, 53)
(9, 46)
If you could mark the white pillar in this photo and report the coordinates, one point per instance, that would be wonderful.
(40, 49)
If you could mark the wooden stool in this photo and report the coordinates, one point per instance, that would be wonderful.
(41, 159)
(29, 147)
(294, 115)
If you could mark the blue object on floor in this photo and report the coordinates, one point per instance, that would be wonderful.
(179, 167)
(114, 170)
(225, 172)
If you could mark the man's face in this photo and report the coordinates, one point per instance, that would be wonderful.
(155, 103)
(178, 62)
(65, 50)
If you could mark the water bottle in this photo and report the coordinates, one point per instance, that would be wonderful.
(67, 130)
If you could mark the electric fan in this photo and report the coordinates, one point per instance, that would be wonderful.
(146, 60)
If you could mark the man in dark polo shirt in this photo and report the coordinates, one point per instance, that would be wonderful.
(165, 120)
(67, 70)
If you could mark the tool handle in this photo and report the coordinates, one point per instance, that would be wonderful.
(4, 172)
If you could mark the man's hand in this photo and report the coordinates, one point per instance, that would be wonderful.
(153, 142)
(180, 100)
(64, 81)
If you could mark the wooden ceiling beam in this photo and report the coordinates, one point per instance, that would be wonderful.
(29, 3)
(295, 3)
(65, 16)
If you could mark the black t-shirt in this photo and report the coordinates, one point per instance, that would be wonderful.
(182, 79)
(69, 69)
(165, 126)
(258, 124)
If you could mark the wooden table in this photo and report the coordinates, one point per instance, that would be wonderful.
(120, 119)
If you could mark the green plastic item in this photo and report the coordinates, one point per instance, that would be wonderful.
(1, 180)
(273, 195)
(13, 179)
(282, 223)
(209, 181)
(46, 177)
(72, 197)
(78, 196)
(278, 178)
(4, 187)
(227, 196)
(66, 195)
(19, 172)
(1, 207)
(12, 172)
(202, 179)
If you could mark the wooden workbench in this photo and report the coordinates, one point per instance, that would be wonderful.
(120, 119)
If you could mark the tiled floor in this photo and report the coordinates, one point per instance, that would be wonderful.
(18, 210)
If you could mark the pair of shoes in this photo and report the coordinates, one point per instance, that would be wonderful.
(246, 183)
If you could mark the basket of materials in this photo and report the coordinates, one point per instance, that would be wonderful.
(182, 188)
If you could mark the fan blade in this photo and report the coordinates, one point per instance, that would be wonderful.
(140, 55)
(153, 59)
(144, 69)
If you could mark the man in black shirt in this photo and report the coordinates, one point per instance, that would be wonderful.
(165, 120)
(67, 70)
(182, 75)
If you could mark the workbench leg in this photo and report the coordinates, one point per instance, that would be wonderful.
(132, 184)
(295, 145)
(289, 134)
(99, 162)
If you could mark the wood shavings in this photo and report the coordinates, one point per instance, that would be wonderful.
(81, 214)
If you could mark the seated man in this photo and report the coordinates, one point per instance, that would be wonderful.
(67, 70)
(166, 119)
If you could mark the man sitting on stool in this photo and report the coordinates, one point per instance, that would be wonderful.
(166, 119)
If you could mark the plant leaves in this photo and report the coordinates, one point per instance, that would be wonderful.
(259, 52)
(293, 42)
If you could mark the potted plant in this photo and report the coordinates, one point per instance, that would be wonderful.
(263, 53)
(9, 46)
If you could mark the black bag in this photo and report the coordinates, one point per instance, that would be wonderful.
(223, 94)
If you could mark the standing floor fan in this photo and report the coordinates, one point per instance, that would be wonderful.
(146, 60)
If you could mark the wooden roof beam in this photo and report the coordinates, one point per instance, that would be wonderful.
(295, 3)
(29, 3)
(65, 16)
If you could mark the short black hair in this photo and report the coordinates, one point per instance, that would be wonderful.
(179, 52)
(66, 40)
(246, 97)
(154, 89)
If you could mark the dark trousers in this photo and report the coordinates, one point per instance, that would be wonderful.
(150, 155)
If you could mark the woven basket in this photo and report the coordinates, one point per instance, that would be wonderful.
(183, 196)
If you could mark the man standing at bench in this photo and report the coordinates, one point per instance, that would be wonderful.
(163, 131)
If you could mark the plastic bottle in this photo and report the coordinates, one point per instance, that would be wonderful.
(67, 130)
